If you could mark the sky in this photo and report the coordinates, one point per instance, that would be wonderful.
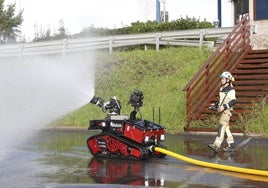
(79, 14)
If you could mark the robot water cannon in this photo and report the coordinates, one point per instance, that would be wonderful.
(113, 105)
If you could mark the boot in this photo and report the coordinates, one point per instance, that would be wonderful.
(230, 148)
(213, 147)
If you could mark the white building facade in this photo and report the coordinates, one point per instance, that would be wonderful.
(232, 11)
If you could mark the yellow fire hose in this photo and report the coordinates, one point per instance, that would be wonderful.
(212, 165)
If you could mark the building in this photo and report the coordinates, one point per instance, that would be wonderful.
(231, 11)
(258, 12)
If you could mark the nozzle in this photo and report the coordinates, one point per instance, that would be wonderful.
(97, 100)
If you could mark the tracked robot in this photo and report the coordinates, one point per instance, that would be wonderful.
(124, 137)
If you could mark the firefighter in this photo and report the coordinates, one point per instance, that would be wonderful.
(226, 102)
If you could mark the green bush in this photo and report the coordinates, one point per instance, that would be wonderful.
(149, 26)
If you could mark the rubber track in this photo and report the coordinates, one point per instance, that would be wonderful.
(144, 151)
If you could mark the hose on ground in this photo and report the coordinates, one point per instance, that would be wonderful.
(212, 165)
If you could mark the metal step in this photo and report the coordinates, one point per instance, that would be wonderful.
(253, 66)
(250, 77)
(251, 71)
(251, 82)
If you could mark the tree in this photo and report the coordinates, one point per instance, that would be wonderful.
(40, 35)
(61, 31)
(9, 22)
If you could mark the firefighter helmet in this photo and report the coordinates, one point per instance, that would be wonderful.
(227, 75)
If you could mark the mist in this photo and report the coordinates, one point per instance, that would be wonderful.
(37, 91)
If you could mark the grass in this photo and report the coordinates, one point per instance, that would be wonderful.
(161, 75)
(259, 123)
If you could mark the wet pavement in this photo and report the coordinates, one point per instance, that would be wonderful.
(60, 158)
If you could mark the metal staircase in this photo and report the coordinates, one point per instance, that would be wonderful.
(250, 69)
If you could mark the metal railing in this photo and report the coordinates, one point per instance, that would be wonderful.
(193, 37)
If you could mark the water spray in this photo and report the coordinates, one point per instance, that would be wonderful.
(35, 92)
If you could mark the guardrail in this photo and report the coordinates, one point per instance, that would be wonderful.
(173, 38)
